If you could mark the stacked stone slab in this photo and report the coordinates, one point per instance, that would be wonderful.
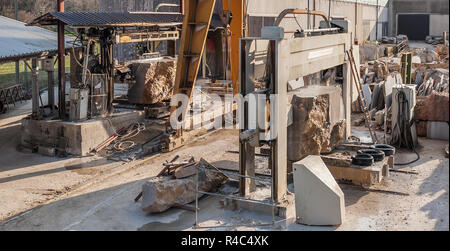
(432, 115)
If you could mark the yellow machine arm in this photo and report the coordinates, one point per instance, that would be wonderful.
(237, 28)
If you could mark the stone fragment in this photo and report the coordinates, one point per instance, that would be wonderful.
(185, 171)
(379, 118)
(337, 135)
(161, 193)
(47, 151)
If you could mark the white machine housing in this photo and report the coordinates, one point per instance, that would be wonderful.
(79, 102)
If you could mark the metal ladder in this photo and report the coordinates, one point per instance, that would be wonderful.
(197, 19)
(364, 108)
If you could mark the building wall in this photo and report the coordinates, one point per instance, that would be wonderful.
(438, 10)
(361, 14)
(438, 24)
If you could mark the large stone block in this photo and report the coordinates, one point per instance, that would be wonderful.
(162, 193)
(155, 80)
(434, 107)
(318, 125)
(318, 198)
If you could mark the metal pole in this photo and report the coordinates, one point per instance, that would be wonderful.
(309, 25)
(376, 26)
(35, 89)
(16, 14)
(51, 90)
(25, 78)
(329, 9)
(196, 197)
(61, 65)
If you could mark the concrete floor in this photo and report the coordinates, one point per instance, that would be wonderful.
(42, 193)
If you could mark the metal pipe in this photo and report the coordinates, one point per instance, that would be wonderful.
(302, 12)
(308, 19)
(61, 65)
(16, 14)
(166, 5)
(329, 9)
(35, 89)
(376, 26)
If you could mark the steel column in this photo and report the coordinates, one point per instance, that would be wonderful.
(61, 65)
(35, 89)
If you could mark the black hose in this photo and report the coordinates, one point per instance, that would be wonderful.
(401, 133)
(411, 162)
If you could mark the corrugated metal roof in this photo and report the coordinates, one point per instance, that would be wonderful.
(18, 40)
(109, 19)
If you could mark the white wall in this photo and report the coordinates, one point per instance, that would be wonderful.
(366, 13)
(438, 24)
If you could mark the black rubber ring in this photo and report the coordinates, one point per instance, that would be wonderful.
(387, 149)
(377, 155)
(362, 160)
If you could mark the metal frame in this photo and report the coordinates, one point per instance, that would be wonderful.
(273, 204)
(290, 58)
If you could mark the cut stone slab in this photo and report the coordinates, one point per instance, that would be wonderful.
(367, 94)
(318, 198)
(161, 193)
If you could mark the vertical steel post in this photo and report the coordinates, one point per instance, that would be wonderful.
(196, 197)
(16, 14)
(61, 65)
(35, 89)
(376, 25)
(51, 90)
(25, 78)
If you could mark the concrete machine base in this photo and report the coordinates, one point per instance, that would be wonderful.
(318, 198)
(76, 138)
(340, 165)
(285, 211)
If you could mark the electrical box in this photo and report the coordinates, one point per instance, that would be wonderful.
(272, 32)
(79, 102)
(48, 64)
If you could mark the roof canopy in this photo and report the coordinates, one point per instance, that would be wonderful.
(110, 19)
(18, 41)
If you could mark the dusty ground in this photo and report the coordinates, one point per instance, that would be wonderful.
(41, 193)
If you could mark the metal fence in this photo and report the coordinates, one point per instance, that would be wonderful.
(8, 76)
